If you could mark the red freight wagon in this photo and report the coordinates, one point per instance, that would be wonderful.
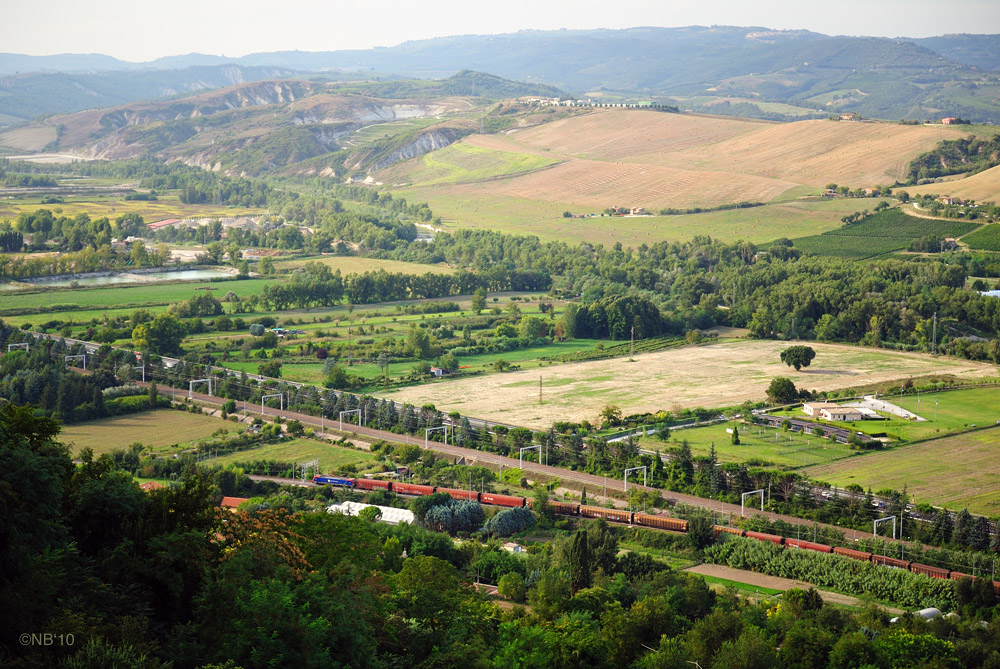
(956, 575)
(851, 553)
(996, 586)
(470, 495)
(722, 529)
(886, 561)
(773, 538)
(371, 484)
(564, 508)
(661, 522)
(927, 570)
(501, 500)
(609, 514)
(808, 545)
(411, 489)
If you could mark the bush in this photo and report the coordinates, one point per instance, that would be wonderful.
(510, 521)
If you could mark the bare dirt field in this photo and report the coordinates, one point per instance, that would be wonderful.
(982, 187)
(715, 375)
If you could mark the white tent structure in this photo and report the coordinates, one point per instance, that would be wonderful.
(390, 514)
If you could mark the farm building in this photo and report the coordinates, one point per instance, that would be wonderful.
(841, 413)
(813, 408)
(232, 503)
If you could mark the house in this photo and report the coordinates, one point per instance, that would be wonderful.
(149, 486)
(948, 200)
(232, 503)
(512, 547)
(951, 120)
(637, 211)
(841, 414)
(437, 372)
(814, 408)
(849, 116)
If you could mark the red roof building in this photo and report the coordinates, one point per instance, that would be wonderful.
(232, 503)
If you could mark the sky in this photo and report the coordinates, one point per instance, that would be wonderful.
(141, 31)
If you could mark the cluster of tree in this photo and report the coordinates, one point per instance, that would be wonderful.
(615, 318)
(956, 156)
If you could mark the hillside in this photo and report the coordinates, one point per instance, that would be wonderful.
(634, 158)
(293, 126)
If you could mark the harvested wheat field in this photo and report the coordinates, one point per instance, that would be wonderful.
(982, 187)
(716, 375)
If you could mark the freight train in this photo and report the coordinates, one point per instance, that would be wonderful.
(643, 520)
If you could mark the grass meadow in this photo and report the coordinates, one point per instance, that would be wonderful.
(164, 431)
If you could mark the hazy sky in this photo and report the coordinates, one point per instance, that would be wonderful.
(142, 30)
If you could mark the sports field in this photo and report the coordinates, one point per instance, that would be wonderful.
(757, 443)
(721, 374)
(154, 429)
(959, 471)
(331, 457)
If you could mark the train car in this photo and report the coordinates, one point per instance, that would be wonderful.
(616, 515)
(455, 493)
(854, 554)
(501, 500)
(956, 575)
(661, 522)
(996, 586)
(773, 538)
(565, 508)
(333, 480)
(808, 545)
(927, 570)
(722, 529)
(412, 489)
(372, 484)
(886, 561)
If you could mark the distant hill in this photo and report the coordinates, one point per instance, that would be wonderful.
(26, 96)
(920, 79)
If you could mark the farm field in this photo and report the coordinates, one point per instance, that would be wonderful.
(127, 296)
(784, 218)
(959, 471)
(986, 238)
(982, 187)
(356, 265)
(721, 374)
(464, 162)
(154, 429)
(331, 457)
(757, 443)
(167, 206)
(884, 232)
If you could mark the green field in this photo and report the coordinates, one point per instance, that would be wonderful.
(331, 457)
(986, 238)
(168, 205)
(356, 265)
(944, 413)
(157, 430)
(783, 218)
(885, 232)
(757, 443)
(124, 297)
(959, 471)
(461, 162)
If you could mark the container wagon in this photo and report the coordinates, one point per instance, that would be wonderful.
(501, 500)
(956, 575)
(927, 570)
(661, 522)
(808, 545)
(851, 553)
(333, 480)
(455, 493)
(412, 489)
(372, 484)
(891, 562)
(722, 529)
(609, 514)
(773, 538)
(565, 508)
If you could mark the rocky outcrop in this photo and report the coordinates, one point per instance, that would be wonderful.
(425, 142)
